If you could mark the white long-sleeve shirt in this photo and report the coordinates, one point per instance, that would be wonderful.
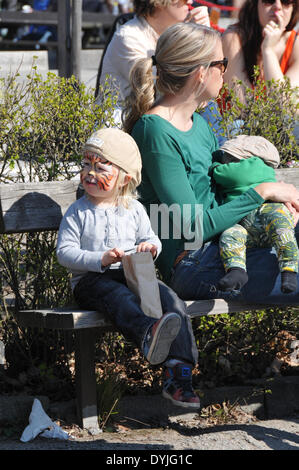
(134, 40)
(87, 231)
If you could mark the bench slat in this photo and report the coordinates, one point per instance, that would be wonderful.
(199, 308)
(75, 319)
(62, 319)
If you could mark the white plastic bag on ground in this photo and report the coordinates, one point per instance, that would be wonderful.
(40, 423)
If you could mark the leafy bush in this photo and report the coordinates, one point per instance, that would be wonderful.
(241, 347)
(269, 110)
(43, 124)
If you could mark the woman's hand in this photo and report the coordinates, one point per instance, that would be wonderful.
(279, 192)
(272, 32)
(145, 246)
(112, 256)
(199, 15)
(293, 211)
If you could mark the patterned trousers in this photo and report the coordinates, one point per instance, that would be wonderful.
(271, 224)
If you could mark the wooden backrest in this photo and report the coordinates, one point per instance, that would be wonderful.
(34, 207)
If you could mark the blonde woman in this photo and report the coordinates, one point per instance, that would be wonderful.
(176, 146)
(138, 38)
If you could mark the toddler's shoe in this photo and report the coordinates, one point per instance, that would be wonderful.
(288, 282)
(160, 337)
(234, 279)
(177, 386)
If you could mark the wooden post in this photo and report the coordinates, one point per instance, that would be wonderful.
(76, 38)
(64, 38)
(86, 380)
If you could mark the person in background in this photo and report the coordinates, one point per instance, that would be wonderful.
(96, 5)
(9, 5)
(39, 33)
(138, 37)
(264, 36)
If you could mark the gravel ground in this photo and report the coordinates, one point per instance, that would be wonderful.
(279, 434)
(152, 424)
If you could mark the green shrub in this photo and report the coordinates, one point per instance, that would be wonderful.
(43, 124)
(269, 110)
(239, 347)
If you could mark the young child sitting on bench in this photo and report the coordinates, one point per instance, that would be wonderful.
(96, 232)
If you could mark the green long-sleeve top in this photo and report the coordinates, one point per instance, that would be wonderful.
(237, 177)
(176, 171)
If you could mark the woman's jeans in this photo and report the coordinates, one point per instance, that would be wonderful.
(107, 292)
(197, 275)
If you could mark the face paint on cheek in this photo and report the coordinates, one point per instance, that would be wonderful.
(104, 181)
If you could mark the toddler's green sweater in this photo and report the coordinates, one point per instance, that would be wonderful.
(235, 178)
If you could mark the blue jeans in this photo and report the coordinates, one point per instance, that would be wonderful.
(198, 273)
(107, 292)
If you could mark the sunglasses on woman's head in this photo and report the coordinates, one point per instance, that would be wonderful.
(222, 62)
(283, 2)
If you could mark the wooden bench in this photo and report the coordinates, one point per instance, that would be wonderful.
(37, 207)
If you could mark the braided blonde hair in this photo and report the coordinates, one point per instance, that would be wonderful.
(180, 50)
